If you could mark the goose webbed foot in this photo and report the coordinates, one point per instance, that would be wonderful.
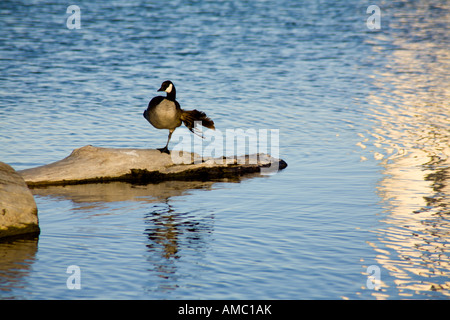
(164, 150)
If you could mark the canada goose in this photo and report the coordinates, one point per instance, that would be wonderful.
(166, 113)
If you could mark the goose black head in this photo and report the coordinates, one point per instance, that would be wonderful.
(167, 86)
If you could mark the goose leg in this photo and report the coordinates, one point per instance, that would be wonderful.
(166, 149)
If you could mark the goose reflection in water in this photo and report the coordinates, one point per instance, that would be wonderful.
(169, 233)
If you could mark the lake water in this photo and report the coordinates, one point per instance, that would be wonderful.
(363, 122)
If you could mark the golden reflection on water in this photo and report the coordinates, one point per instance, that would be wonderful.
(411, 139)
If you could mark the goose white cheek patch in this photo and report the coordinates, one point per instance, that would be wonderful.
(169, 88)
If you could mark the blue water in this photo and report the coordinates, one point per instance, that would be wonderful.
(363, 124)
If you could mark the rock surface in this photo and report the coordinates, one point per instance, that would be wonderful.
(18, 211)
(91, 164)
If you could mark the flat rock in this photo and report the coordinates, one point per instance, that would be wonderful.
(91, 164)
(18, 211)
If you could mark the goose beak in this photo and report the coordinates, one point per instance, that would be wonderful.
(160, 89)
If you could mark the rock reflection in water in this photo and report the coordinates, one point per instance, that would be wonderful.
(411, 138)
(170, 232)
(16, 260)
(121, 191)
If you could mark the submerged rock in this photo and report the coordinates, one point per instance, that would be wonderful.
(92, 165)
(18, 211)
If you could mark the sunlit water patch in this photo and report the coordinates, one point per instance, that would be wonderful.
(410, 109)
